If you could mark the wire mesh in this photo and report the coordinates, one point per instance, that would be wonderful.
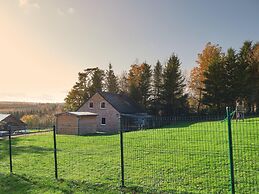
(32, 153)
(246, 155)
(188, 154)
(4, 155)
(161, 155)
(93, 158)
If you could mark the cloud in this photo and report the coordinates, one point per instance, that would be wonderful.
(27, 4)
(23, 2)
(60, 12)
(69, 11)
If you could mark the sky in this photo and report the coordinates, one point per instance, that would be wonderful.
(45, 43)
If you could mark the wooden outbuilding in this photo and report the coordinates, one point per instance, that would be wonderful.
(76, 123)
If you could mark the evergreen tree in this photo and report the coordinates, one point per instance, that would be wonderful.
(145, 84)
(256, 64)
(173, 87)
(111, 81)
(97, 81)
(87, 85)
(215, 86)
(157, 88)
(77, 94)
(123, 83)
(232, 71)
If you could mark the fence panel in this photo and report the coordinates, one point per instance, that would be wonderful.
(184, 156)
(93, 158)
(246, 155)
(32, 154)
(4, 155)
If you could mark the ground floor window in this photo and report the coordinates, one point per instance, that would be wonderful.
(103, 121)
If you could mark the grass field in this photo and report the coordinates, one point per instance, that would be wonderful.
(183, 158)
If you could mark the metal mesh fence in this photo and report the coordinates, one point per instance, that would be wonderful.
(93, 158)
(160, 155)
(4, 156)
(32, 154)
(246, 155)
(190, 154)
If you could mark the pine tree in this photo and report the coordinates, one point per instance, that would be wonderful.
(77, 95)
(173, 87)
(111, 81)
(123, 83)
(256, 64)
(97, 81)
(87, 85)
(215, 86)
(232, 71)
(157, 88)
(145, 84)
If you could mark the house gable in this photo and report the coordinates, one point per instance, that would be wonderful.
(107, 113)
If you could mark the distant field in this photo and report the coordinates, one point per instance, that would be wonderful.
(184, 158)
(7, 107)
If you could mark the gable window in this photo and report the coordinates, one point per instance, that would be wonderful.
(91, 105)
(103, 121)
(103, 105)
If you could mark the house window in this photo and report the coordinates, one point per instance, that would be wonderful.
(103, 105)
(91, 105)
(103, 121)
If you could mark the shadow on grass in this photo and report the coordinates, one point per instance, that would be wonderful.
(25, 184)
(19, 148)
(102, 134)
(139, 190)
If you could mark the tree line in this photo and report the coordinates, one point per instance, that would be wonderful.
(218, 80)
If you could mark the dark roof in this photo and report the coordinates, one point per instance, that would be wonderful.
(122, 103)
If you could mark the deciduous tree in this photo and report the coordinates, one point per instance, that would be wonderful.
(196, 84)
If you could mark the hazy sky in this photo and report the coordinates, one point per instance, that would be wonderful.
(45, 43)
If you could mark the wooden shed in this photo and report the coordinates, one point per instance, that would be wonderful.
(76, 123)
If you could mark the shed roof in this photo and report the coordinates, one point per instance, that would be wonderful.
(122, 103)
(3, 116)
(79, 114)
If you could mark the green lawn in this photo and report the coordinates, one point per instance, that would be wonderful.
(183, 158)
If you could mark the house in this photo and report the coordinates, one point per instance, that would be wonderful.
(8, 121)
(76, 123)
(107, 108)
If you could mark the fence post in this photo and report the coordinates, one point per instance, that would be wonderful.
(10, 149)
(122, 152)
(232, 178)
(55, 152)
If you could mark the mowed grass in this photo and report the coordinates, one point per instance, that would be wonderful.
(182, 158)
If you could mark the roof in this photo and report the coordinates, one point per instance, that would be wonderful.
(3, 116)
(122, 103)
(12, 121)
(79, 114)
